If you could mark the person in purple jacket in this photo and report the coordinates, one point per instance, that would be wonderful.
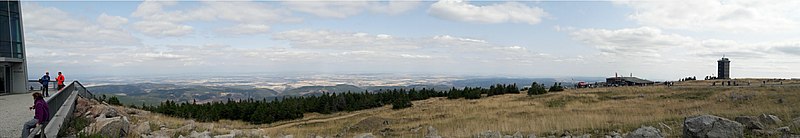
(40, 118)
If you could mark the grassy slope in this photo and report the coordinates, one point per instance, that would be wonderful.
(596, 111)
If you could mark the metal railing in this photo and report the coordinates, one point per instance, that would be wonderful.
(53, 84)
(61, 105)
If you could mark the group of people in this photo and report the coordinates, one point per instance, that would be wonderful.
(45, 80)
(41, 110)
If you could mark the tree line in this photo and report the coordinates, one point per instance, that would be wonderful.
(288, 108)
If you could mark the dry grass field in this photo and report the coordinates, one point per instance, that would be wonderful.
(594, 111)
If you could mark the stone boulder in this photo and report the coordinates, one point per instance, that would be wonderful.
(613, 134)
(645, 132)
(225, 136)
(204, 134)
(109, 127)
(750, 122)
(432, 133)
(365, 135)
(490, 134)
(709, 126)
(142, 128)
(517, 135)
(770, 119)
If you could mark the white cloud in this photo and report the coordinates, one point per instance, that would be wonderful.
(111, 21)
(436, 47)
(343, 9)
(659, 48)
(246, 29)
(162, 28)
(249, 17)
(508, 12)
(718, 15)
(643, 41)
(49, 27)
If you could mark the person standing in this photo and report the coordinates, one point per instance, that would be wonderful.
(60, 80)
(45, 80)
(41, 116)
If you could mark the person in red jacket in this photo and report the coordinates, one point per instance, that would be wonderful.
(41, 117)
(60, 80)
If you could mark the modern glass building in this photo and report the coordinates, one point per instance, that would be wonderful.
(13, 68)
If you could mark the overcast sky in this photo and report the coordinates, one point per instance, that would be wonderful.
(661, 40)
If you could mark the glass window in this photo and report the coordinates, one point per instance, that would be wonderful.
(16, 32)
(3, 5)
(5, 49)
(18, 50)
(5, 28)
(13, 6)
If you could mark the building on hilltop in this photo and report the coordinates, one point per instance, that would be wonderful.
(13, 68)
(627, 81)
(724, 68)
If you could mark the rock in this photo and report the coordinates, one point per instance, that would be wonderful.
(783, 130)
(109, 127)
(763, 133)
(204, 134)
(532, 135)
(796, 123)
(110, 112)
(142, 128)
(770, 119)
(181, 136)
(508, 136)
(364, 135)
(225, 136)
(517, 135)
(288, 136)
(750, 122)
(490, 134)
(236, 132)
(614, 134)
(161, 134)
(188, 127)
(432, 133)
(645, 132)
(709, 126)
(415, 130)
(583, 136)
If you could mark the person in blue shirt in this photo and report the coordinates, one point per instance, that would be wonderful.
(45, 80)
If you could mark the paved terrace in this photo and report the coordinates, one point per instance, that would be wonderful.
(14, 112)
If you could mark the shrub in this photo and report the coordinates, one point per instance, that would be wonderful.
(536, 89)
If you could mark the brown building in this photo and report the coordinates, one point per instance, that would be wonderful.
(627, 81)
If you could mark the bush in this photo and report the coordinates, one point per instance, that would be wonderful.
(536, 89)
(402, 103)
(556, 87)
(113, 101)
(472, 94)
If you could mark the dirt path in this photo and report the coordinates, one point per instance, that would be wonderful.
(316, 120)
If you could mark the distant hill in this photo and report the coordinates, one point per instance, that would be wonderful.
(310, 90)
(486, 82)
(150, 93)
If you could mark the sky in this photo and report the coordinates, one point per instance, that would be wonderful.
(659, 40)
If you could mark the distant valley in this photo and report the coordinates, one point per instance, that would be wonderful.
(152, 93)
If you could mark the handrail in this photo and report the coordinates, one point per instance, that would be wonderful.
(62, 104)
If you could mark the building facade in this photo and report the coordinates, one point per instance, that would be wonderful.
(13, 68)
(724, 68)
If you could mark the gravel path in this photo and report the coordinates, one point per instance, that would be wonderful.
(13, 113)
